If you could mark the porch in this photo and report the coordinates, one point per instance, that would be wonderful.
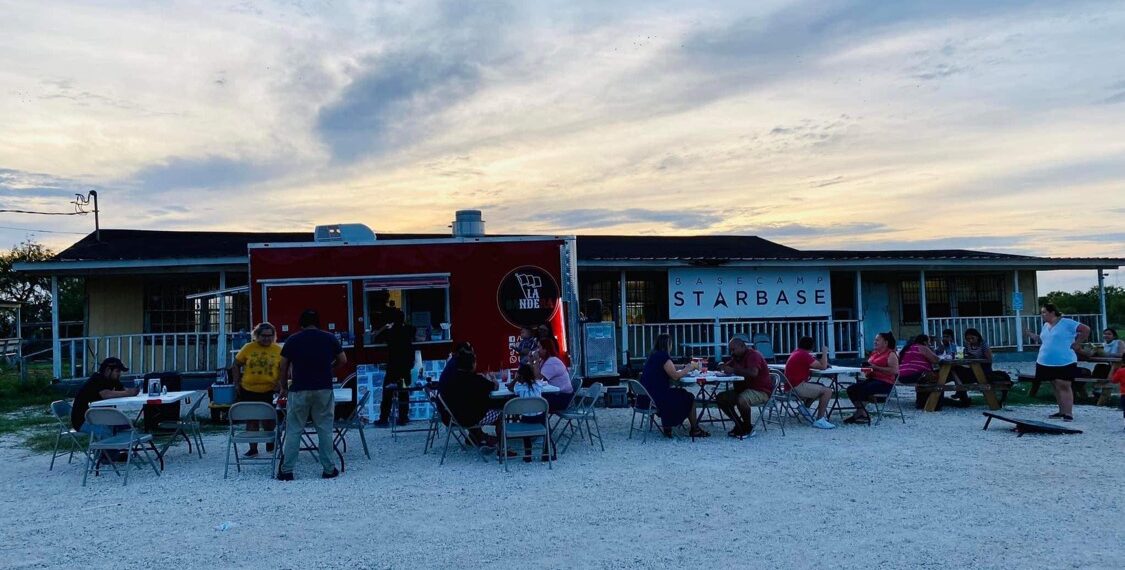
(144, 353)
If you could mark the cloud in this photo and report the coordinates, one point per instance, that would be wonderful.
(594, 218)
(206, 173)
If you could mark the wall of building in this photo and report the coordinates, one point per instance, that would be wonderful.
(114, 305)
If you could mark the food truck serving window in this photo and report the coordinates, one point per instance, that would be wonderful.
(423, 299)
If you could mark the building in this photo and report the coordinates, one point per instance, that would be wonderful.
(177, 300)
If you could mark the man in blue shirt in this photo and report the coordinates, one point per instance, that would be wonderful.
(307, 361)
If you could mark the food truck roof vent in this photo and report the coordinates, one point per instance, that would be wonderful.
(343, 232)
(468, 223)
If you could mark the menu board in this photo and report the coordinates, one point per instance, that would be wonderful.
(600, 341)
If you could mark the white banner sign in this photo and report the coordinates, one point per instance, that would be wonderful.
(745, 293)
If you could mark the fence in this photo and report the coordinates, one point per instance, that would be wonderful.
(688, 338)
(1004, 331)
(142, 353)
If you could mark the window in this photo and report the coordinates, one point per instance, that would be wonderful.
(979, 295)
(237, 315)
(646, 293)
(424, 300)
(937, 300)
(167, 308)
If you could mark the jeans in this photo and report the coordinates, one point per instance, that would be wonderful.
(319, 405)
(98, 432)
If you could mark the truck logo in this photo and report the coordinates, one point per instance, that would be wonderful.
(531, 284)
(528, 296)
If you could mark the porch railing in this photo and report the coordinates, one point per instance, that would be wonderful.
(142, 353)
(1003, 331)
(699, 338)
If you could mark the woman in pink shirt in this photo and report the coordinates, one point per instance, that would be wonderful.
(884, 368)
(552, 369)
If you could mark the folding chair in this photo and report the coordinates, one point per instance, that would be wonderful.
(880, 402)
(434, 429)
(793, 405)
(456, 431)
(764, 344)
(246, 412)
(512, 427)
(773, 406)
(126, 438)
(187, 427)
(61, 410)
(647, 412)
(581, 413)
(342, 427)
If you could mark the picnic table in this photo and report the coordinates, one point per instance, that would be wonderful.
(945, 368)
(1080, 383)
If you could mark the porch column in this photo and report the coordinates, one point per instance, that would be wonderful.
(221, 360)
(622, 316)
(859, 314)
(56, 342)
(1018, 330)
(1101, 302)
(922, 301)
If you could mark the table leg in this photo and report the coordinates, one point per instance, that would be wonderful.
(935, 397)
(982, 379)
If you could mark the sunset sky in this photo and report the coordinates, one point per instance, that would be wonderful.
(819, 124)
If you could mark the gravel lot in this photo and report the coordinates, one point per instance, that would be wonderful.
(936, 492)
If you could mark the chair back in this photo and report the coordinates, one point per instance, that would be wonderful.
(525, 407)
(780, 384)
(251, 411)
(351, 419)
(765, 347)
(108, 417)
(445, 412)
(639, 391)
(61, 410)
(592, 394)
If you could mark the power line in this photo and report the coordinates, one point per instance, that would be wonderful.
(40, 231)
(42, 213)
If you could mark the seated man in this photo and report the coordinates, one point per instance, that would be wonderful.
(753, 390)
(103, 385)
(468, 396)
(798, 370)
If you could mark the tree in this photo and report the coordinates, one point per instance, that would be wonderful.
(33, 292)
(1078, 302)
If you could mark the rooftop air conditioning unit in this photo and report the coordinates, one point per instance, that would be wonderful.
(351, 233)
(468, 223)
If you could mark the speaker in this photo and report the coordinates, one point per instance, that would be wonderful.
(593, 310)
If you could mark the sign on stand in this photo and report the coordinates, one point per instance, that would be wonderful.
(748, 293)
(600, 340)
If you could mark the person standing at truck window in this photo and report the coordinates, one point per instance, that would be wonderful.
(256, 371)
(307, 361)
(399, 338)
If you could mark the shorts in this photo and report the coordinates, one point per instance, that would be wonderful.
(1049, 373)
(245, 395)
(810, 390)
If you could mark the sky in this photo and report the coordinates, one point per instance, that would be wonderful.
(828, 124)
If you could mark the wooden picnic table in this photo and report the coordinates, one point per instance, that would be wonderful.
(1080, 383)
(945, 368)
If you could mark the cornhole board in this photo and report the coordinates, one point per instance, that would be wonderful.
(1028, 426)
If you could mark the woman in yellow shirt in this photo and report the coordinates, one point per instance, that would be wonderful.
(255, 371)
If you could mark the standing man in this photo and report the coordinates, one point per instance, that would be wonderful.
(753, 390)
(399, 337)
(307, 361)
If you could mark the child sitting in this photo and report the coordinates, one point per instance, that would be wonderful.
(525, 386)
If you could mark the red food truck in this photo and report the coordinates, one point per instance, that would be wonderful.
(476, 289)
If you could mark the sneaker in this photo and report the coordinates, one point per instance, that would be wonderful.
(253, 452)
(335, 473)
(283, 476)
(382, 423)
(1056, 416)
(269, 448)
(1067, 418)
(402, 421)
(823, 424)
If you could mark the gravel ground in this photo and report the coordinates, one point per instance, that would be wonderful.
(936, 492)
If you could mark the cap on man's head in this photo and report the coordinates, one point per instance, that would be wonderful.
(113, 363)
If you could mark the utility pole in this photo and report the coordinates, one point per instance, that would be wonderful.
(82, 202)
